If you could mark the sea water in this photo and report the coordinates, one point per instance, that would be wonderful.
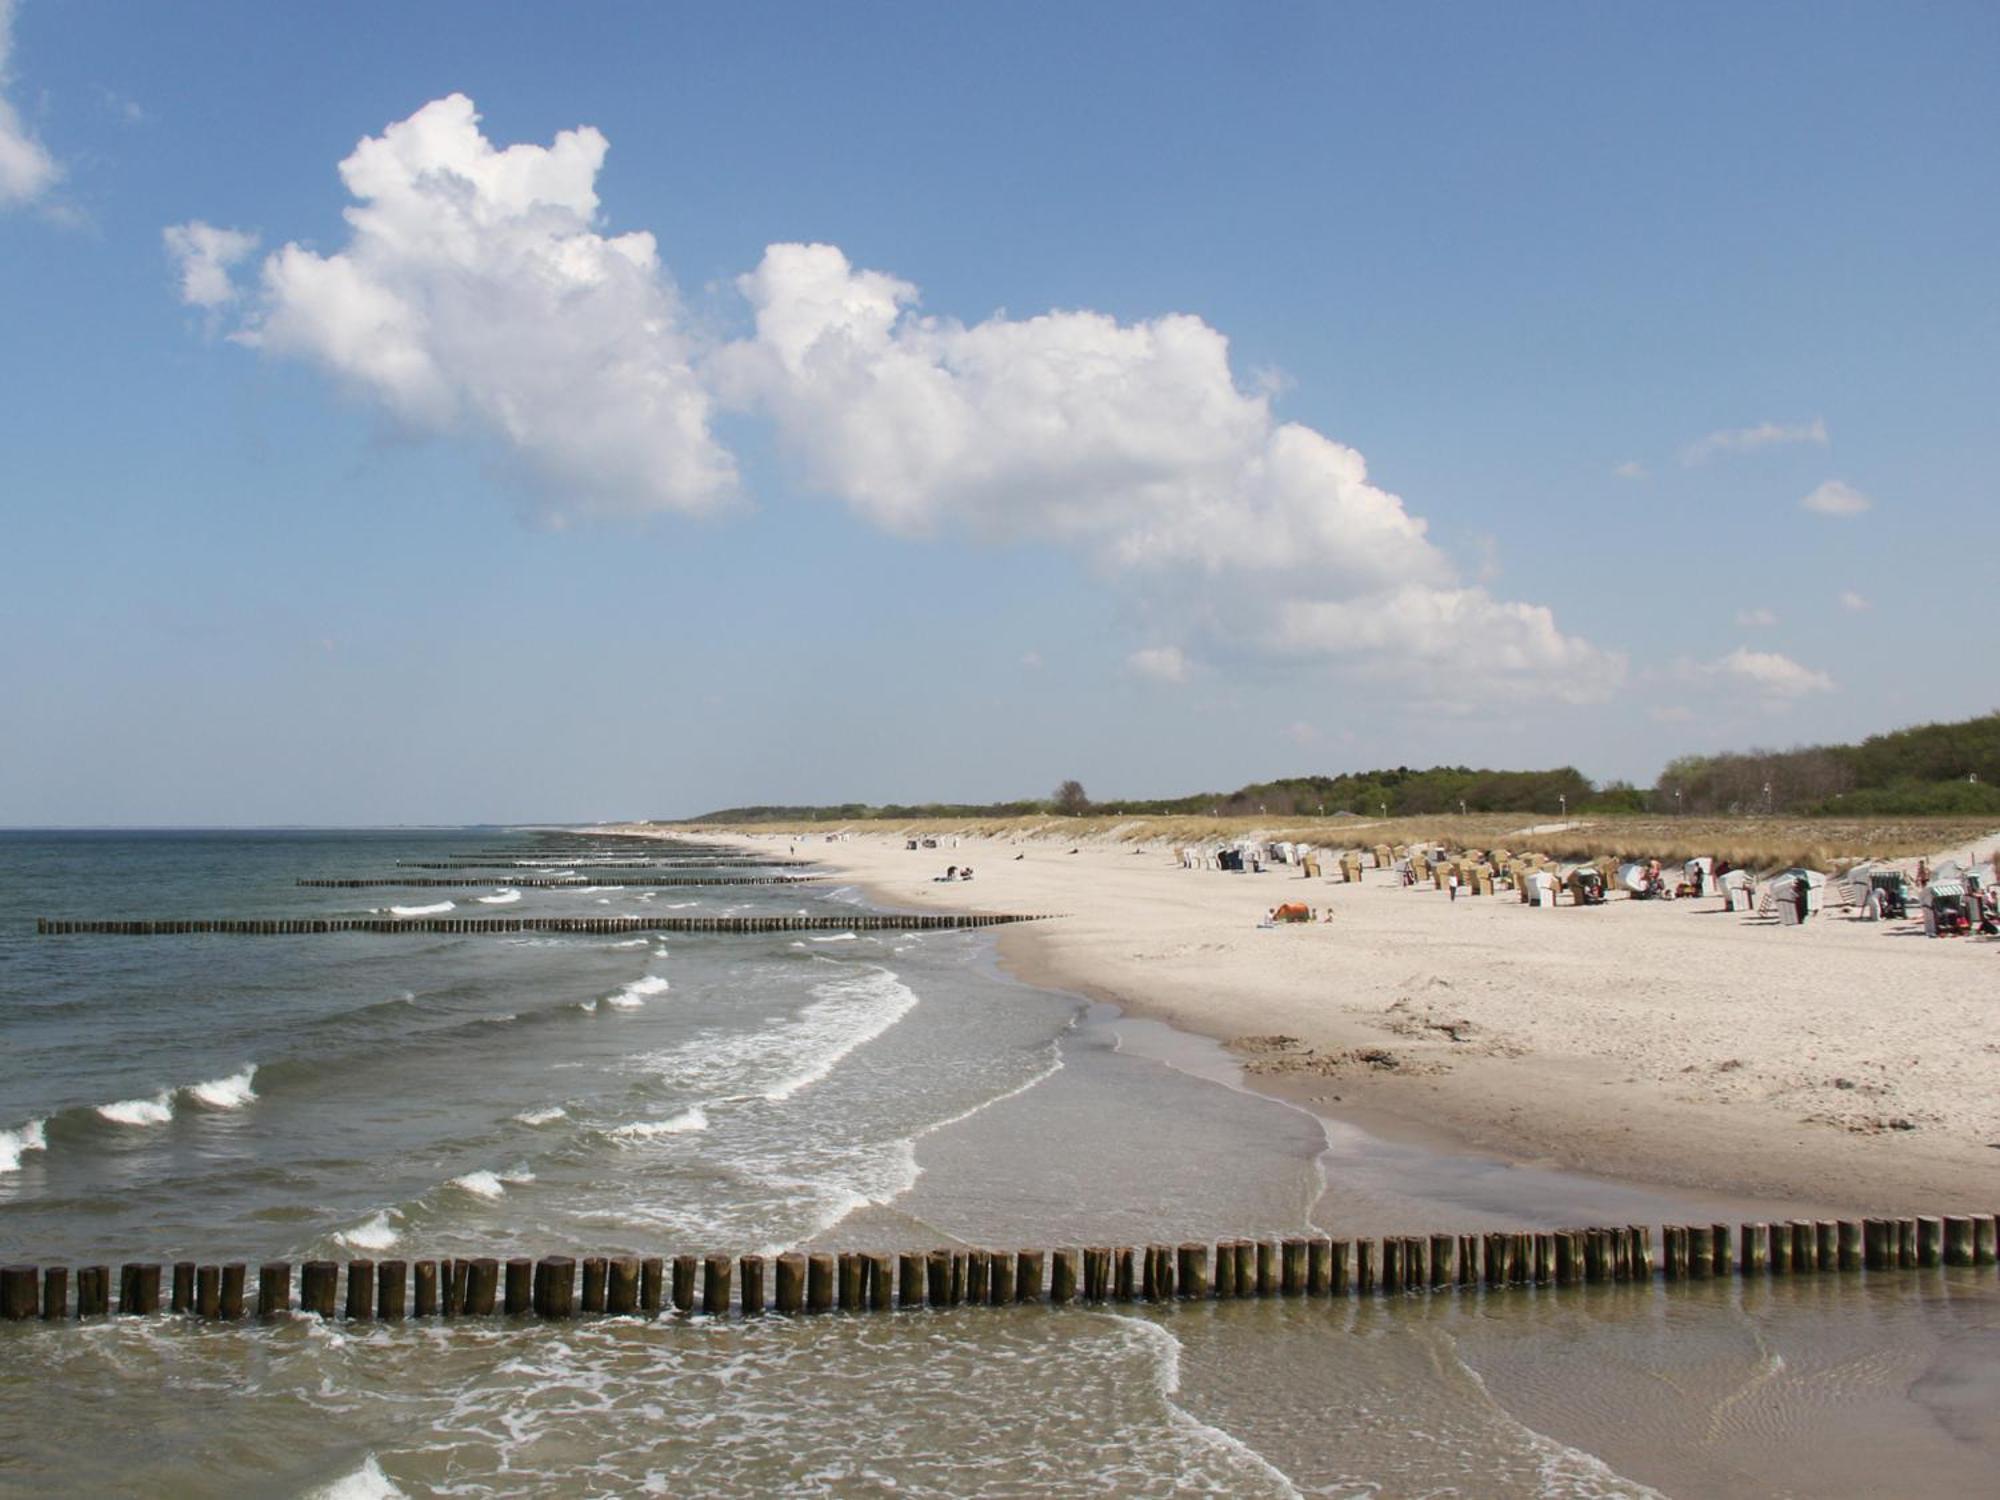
(415, 1095)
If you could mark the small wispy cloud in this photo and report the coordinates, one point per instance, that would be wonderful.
(203, 255)
(1630, 469)
(27, 171)
(1748, 439)
(1161, 663)
(1854, 603)
(1836, 499)
(1770, 673)
(1758, 618)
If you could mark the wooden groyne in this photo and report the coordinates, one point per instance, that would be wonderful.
(302, 926)
(561, 1286)
(566, 882)
(584, 864)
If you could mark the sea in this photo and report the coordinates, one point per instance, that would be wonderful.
(414, 1094)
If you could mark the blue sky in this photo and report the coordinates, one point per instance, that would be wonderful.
(1166, 396)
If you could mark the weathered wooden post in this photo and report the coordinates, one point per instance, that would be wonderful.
(1364, 1268)
(1755, 1246)
(853, 1281)
(1719, 1256)
(392, 1289)
(360, 1290)
(1028, 1281)
(1192, 1277)
(596, 1272)
(1062, 1276)
(1930, 1242)
(555, 1286)
(999, 1277)
(791, 1282)
(139, 1289)
(182, 1296)
(480, 1293)
(881, 1281)
(1391, 1249)
(1849, 1242)
(715, 1277)
(820, 1275)
(751, 1297)
(1985, 1239)
(1339, 1276)
(1444, 1258)
(425, 1301)
(682, 1291)
(971, 1277)
(520, 1286)
(1826, 1244)
(55, 1293)
(621, 1286)
(1568, 1271)
(1906, 1243)
(274, 1289)
(1805, 1253)
(20, 1288)
(652, 1285)
(1701, 1251)
(912, 1272)
(1126, 1274)
(1878, 1244)
(317, 1281)
(1319, 1267)
(1267, 1268)
(1293, 1271)
(1958, 1240)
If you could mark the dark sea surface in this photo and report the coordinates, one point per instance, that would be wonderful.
(413, 1095)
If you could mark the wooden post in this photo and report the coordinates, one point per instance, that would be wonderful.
(820, 1276)
(1805, 1253)
(1848, 1236)
(1719, 1256)
(55, 1293)
(1930, 1242)
(652, 1285)
(1701, 1251)
(1985, 1239)
(392, 1289)
(1392, 1263)
(791, 1282)
(1878, 1244)
(1756, 1260)
(1193, 1271)
(360, 1290)
(481, 1288)
(139, 1289)
(1674, 1248)
(912, 1270)
(999, 1277)
(1958, 1240)
(937, 1278)
(274, 1289)
(183, 1287)
(520, 1286)
(1126, 1274)
(458, 1288)
(1062, 1276)
(683, 1283)
(1028, 1281)
(20, 1288)
(1337, 1278)
(1319, 1267)
(1293, 1273)
(621, 1286)
(1642, 1251)
(881, 1281)
(1568, 1271)
(715, 1275)
(317, 1281)
(1906, 1243)
(853, 1281)
(555, 1286)
(426, 1299)
(1493, 1247)
(961, 1276)
(1778, 1248)
(1364, 1267)
(1444, 1260)
(750, 1299)
(1826, 1245)
(1267, 1255)
(595, 1273)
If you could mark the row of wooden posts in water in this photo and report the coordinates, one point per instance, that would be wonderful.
(299, 926)
(563, 882)
(584, 864)
(560, 1286)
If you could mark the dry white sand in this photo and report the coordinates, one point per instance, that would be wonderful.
(1848, 1063)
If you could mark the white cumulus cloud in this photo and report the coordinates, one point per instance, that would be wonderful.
(1836, 499)
(1161, 663)
(1748, 439)
(1630, 469)
(1758, 617)
(1770, 673)
(1854, 603)
(27, 171)
(479, 293)
(203, 255)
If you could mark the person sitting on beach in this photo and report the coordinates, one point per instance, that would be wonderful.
(966, 873)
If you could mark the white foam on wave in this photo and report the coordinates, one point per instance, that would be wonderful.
(592, 890)
(366, 1483)
(423, 911)
(634, 994)
(500, 898)
(681, 905)
(542, 1116)
(629, 943)
(838, 937)
(1563, 1470)
(491, 1185)
(232, 1092)
(20, 1140)
(139, 1111)
(1166, 1352)
(645, 1130)
(850, 1012)
(376, 1234)
(586, 1005)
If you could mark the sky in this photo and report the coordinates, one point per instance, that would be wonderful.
(460, 412)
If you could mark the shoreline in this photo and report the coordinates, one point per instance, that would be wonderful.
(1533, 1106)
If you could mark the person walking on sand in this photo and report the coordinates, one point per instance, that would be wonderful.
(1451, 884)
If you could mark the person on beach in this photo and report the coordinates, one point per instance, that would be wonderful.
(1451, 884)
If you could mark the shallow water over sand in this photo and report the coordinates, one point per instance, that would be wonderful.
(421, 1096)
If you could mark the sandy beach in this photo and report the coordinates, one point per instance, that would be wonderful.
(1844, 1064)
